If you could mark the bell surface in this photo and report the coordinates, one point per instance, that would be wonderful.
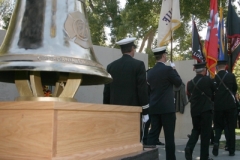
(52, 38)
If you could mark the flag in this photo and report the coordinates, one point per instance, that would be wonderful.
(233, 35)
(211, 41)
(221, 38)
(169, 21)
(196, 45)
(233, 22)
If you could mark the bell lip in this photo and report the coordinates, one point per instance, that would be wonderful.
(87, 79)
(53, 63)
(91, 75)
(46, 99)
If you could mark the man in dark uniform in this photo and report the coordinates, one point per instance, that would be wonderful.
(225, 107)
(129, 85)
(147, 126)
(161, 79)
(200, 91)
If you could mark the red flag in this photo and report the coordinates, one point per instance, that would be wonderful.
(211, 42)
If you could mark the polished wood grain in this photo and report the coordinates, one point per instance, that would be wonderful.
(67, 130)
(26, 132)
(41, 105)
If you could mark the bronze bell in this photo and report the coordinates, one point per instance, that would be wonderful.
(48, 43)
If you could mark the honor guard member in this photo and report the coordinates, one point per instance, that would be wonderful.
(200, 91)
(224, 107)
(129, 85)
(147, 126)
(161, 79)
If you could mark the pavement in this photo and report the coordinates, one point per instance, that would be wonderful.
(180, 154)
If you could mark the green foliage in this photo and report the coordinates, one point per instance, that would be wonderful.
(6, 9)
(236, 71)
(151, 58)
(182, 49)
(101, 14)
(140, 18)
(6, 20)
(237, 145)
(97, 30)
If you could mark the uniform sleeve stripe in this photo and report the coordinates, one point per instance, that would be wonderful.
(146, 106)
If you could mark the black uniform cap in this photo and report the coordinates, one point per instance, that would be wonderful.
(200, 65)
(222, 62)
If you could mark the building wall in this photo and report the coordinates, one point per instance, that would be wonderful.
(8, 91)
(94, 94)
(184, 121)
(2, 34)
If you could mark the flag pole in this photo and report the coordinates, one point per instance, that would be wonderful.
(171, 56)
(229, 55)
(229, 49)
(171, 39)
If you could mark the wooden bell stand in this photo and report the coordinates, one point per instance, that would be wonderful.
(56, 128)
(67, 131)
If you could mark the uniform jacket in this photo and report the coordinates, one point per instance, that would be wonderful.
(129, 85)
(223, 99)
(180, 98)
(200, 102)
(161, 79)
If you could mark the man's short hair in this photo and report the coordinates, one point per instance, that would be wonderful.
(127, 48)
(158, 57)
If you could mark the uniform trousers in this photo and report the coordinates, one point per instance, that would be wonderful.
(146, 131)
(202, 125)
(238, 119)
(222, 119)
(226, 133)
(167, 121)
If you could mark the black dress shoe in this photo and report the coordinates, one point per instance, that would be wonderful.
(215, 149)
(160, 143)
(188, 153)
(210, 158)
(231, 154)
(149, 146)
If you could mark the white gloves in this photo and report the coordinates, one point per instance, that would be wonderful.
(145, 118)
(172, 64)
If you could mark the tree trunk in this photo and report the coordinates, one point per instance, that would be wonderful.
(149, 34)
(150, 39)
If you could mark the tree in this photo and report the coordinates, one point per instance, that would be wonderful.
(101, 14)
(236, 71)
(145, 15)
(6, 9)
(140, 18)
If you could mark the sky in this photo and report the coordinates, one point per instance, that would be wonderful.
(122, 3)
